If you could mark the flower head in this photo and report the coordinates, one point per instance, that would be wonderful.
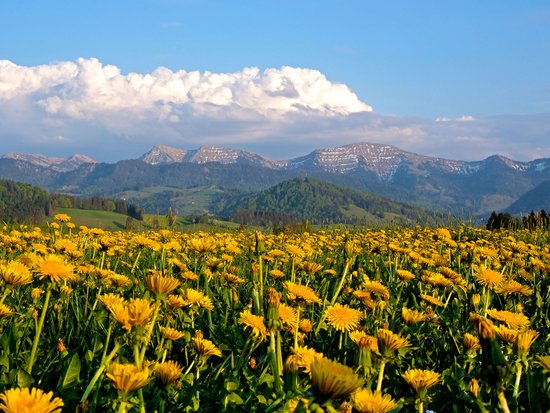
(205, 347)
(168, 372)
(388, 341)
(25, 400)
(510, 318)
(301, 293)
(342, 317)
(15, 273)
(161, 285)
(421, 380)
(54, 267)
(332, 379)
(127, 377)
(367, 401)
(489, 278)
(255, 323)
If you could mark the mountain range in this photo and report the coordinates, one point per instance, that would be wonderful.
(207, 179)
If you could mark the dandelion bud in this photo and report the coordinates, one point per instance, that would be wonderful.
(61, 346)
(36, 293)
(475, 300)
(252, 363)
(474, 388)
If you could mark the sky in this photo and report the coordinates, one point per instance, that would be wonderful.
(110, 79)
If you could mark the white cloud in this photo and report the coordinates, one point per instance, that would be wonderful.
(284, 112)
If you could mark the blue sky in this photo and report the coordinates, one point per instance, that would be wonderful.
(461, 80)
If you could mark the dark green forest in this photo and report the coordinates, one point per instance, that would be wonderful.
(23, 203)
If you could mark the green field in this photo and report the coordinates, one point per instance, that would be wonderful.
(114, 221)
(95, 219)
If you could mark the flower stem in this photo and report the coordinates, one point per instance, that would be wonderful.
(32, 357)
(341, 283)
(518, 379)
(148, 333)
(380, 375)
(503, 402)
(99, 371)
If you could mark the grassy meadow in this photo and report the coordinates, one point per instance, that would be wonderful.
(447, 319)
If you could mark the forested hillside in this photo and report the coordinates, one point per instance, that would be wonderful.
(23, 203)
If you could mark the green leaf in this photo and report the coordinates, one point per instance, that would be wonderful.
(5, 361)
(24, 379)
(72, 375)
(234, 398)
(231, 385)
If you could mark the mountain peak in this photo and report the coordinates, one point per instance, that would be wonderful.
(57, 164)
(162, 154)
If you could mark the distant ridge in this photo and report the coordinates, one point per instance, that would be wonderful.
(215, 175)
(57, 164)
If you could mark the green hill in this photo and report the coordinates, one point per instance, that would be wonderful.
(23, 203)
(534, 200)
(319, 202)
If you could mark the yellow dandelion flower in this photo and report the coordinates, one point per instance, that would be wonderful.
(342, 317)
(171, 333)
(108, 300)
(176, 301)
(405, 275)
(303, 356)
(62, 217)
(161, 285)
(510, 318)
(127, 377)
(363, 340)
(202, 245)
(411, 317)
(294, 250)
(377, 289)
(421, 380)
(513, 287)
(168, 372)
(140, 311)
(5, 311)
(489, 278)
(506, 334)
(15, 273)
(367, 401)
(389, 342)
(525, 340)
(204, 347)
(332, 379)
(189, 276)
(301, 293)
(305, 326)
(432, 300)
(471, 342)
(287, 315)
(54, 267)
(544, 362)
(255, 323)
(232, 278)
(25, 400)
(275, 273)
(121, 314)
(198, 299)
(436, 279)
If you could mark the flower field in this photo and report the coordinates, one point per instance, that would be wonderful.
(448, 320)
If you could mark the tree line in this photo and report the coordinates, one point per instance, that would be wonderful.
(532, 221)
(25, 203)
(98, 203)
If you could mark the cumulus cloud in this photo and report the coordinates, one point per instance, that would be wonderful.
(283, 112)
